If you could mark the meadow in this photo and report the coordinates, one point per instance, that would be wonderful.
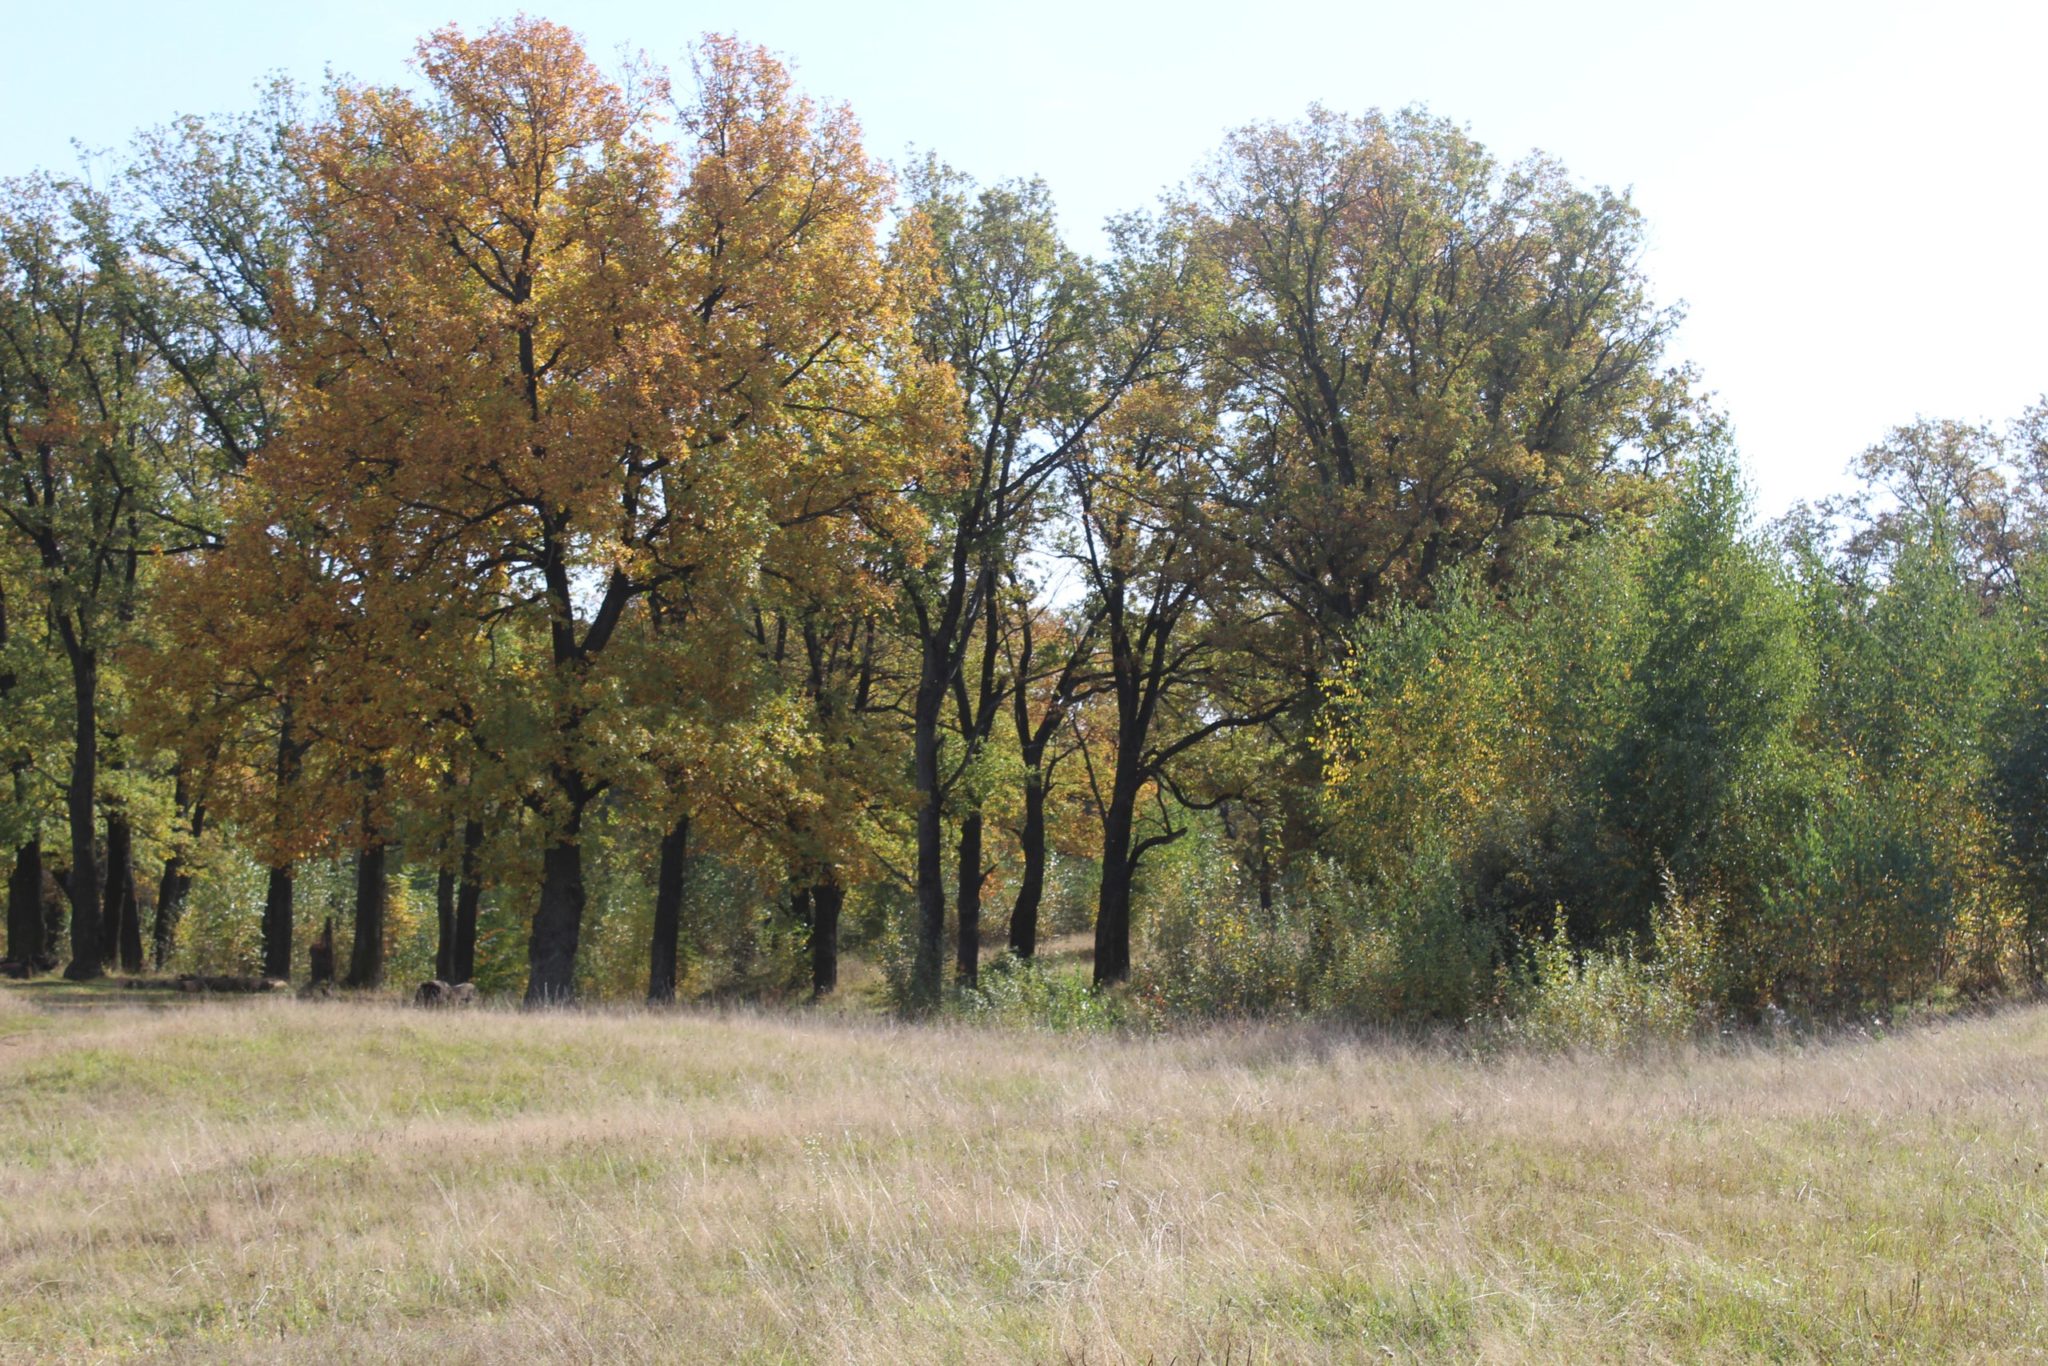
(291, 1180)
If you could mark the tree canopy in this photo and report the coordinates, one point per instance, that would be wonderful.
(629, 516)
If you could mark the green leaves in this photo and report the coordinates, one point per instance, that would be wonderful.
(1429, 359)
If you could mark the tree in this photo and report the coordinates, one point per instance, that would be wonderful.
(1172, 618)
(827, 644)
(1043, 696)
(1703, 758)
(1986, 487)
(229, 663)
(2018, 779)
(567, 363)
(1016, 318)
(1430, 359)
(1894, 877)
(31, 702)
(88, 440)
(204, 207)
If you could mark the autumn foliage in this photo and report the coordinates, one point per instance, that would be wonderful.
(579, 527)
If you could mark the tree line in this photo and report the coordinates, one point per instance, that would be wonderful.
(628, 516)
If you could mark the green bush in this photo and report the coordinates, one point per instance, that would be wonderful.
(1209, 952)
(1330, 945)
(1408, 949)
(1858, 920)
(1023, 993)
(1615, 999)
(221, 930)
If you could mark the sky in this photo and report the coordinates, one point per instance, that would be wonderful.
(1848, 199)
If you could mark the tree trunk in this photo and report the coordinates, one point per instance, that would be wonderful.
(1031, 890)
(56, 909)
(110, 929)
(120, 917)
(277, 924)
(931, 889)
(278, 910)
(176, 883)
(171, 891)
(828, 899)
(557, 925)
(25, 942)
(1113, 905)
(462, 964)
(668, 915)
(320, 955)
(25, 905)
(373, 894)
(114, 845)
(444, 924)
(967, 959)
(800, 910)
(84, 882)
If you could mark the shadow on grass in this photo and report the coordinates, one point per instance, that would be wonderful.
(57, 992)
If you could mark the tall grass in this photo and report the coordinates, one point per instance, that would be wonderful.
(289, 1181)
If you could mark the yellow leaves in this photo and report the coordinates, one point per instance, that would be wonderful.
(1418, 740)
(517, 290)
(553, 375)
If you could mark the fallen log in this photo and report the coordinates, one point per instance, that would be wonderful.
(199, 982)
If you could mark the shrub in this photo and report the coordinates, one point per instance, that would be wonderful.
(1330, 945)
(1615, 999)
(1408, 948)
(1858, 920)
(220, 931)
(1211, 953)
(1023, 993)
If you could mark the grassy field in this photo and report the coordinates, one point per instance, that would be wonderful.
(338, 1181)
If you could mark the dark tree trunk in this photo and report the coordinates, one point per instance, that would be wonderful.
(25, 942)
(1031, 890)
(132, 957)
(828, 899)
(56, 909)
(84, 882)
(668, 914)
(967, 957)
(373, 891)
(444, 925)
(171, 891)
(25, 905)
(111, 847)
(800, 908)
(931, 889)
(373, 894)
(557, 925)
(277, 899)
(978, 707)
(120, 917)
(277, 926)
(320, 954)
(468, 896)
(1113, 905)
(176, 883)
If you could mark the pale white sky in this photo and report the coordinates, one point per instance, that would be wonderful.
(1850, 198)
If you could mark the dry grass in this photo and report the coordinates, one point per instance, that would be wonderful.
(292, 1181)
